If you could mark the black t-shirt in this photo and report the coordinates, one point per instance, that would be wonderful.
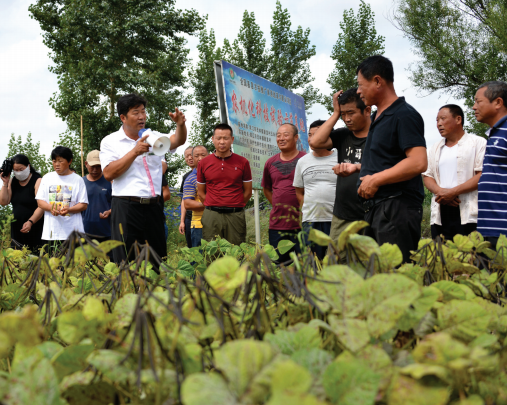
(188, 215)
(398, 128)
(350, 150)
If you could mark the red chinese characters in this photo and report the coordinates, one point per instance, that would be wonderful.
(235, 107)
(290, 118)
(251, 108)
(302, 125)
(272, 114)
(279, 117)
(258, 108)
(242, 104)
(296, 121)
(266, 112)
(286, 117)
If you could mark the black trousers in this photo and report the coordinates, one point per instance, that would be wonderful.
(188, 231)
(275, 236)
(451, 224)
(396, 221)
(143, 223)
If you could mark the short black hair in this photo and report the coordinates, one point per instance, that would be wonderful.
(128, 101)
(63, 152)
(294, 128)
(351, 96)
(21, 159)
(455, 111)
(494, 90)
(223, 126)
(377, 65)
(317, 123)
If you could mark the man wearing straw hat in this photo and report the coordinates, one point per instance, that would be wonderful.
(137, 178)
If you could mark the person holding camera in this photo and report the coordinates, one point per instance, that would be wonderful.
(20, 191)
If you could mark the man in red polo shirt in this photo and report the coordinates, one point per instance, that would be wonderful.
(224, 184)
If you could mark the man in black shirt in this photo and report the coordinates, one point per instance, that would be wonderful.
(349, 142)
(390, 180)
(186, 216)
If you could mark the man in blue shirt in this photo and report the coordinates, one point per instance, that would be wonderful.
(491, 108)
(96, 219)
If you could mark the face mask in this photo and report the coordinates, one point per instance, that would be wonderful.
(23, 174)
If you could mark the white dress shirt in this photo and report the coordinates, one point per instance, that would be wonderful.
(134, 182)
(470, 154)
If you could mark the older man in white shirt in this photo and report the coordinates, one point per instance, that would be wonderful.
(454, 169)
(137, 178)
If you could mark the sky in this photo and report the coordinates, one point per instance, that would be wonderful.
(26, 84)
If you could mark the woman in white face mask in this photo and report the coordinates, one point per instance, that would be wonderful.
(20, 191)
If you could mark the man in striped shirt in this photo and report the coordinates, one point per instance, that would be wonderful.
(491, 108)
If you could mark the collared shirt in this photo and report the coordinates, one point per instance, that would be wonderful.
(470, 152)
(224, 178)
(398, 128)
(134, 182)
(492, 220)
(190, 193)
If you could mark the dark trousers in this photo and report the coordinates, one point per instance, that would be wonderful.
(196, 237)
(143, 223)
(396, 221)
(451, 224)
(319, 251)
(188, 231)
(493, 240)
(275, 236)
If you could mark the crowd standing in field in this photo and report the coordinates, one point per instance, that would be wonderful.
(373, 169)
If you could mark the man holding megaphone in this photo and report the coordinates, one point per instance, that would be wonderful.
(133, 159)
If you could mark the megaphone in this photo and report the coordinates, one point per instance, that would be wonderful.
(161, 144)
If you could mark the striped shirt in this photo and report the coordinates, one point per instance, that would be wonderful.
(190, 193)
(492, 219)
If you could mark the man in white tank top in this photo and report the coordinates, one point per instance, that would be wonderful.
(454, 169)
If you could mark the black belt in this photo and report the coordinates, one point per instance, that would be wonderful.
(370, 203)
(140, 200)
(225, 210)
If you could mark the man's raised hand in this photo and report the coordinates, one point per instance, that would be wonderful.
(344, 169)
(141, 146)
(336, 104)
(178, 117)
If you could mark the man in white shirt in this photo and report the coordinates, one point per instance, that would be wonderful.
(454, 169)
(315, 184)
(137, 178)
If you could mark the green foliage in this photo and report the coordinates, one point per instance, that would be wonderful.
(357, 41)
(459, 45)
(30, 149)
(238, 329)
(102, 50)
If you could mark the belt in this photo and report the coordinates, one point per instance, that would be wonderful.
(140, 200)
(370, 203)
(225, 210)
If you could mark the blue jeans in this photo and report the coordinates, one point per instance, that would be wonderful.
(319, 251)
(196, 236)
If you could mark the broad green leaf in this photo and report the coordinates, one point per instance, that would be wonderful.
(390, 256)
(464, 320)
(439, 349)
(78, 389)
(294, 399)
(364, 246)
(110, 364)
(341, 292)
(225, 275)
(405, 390)
(471, 400)
(351, 229)
(124, 310)
(109, 245)
(462, 243)
(71, 327)
(501, 243)
(93, 309)
(72, 359)
(319, 237)
(290, 377)
(240, 361)
(289, 342)
(22, 326)
(352, 333)
(418, 371)
(271, 252)
(285, 245)
(313, 359)
(419, 308)
(451, 290)
(210, 389)
(185, 268)
(413, 271)
(350, 383)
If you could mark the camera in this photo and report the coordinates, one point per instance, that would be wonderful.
(6, 168)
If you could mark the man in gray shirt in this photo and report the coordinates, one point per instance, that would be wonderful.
(315, 184)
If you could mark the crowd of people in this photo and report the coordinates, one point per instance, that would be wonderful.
(373, 169)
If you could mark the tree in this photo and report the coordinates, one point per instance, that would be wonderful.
(357, 41)
(39, 161)
(103, 49)
(202, 79)
(461, 44)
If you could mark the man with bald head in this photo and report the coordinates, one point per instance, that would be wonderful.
(277, 181)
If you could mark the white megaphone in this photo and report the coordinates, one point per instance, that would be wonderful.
(161, 144)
